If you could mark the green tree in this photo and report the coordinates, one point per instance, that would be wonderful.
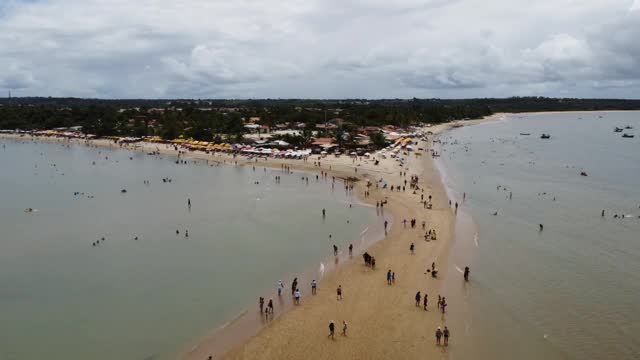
(378, 140)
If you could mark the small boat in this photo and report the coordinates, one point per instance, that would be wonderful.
(583, 174)
(525, 134)
(628, 127)
(617, 129)
(545, 136)
(627, 135)
(123, 191)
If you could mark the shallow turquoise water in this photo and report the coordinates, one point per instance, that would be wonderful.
(572, 290)
(61, 298)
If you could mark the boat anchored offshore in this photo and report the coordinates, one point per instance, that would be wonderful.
(627, 135)
(545, 136)
(618, 129)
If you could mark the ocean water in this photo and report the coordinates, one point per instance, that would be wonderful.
(62, 298)
(571, 291)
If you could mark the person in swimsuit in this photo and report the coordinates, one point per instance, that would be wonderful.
(270, 306)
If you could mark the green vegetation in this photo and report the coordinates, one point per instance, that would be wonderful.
(225, 119)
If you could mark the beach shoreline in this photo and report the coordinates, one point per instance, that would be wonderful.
(341, 168)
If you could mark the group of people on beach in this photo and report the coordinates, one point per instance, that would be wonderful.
(421, 298)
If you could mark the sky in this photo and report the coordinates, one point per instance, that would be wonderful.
(320, 48)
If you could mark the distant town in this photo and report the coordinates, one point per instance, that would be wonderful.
(320, 125)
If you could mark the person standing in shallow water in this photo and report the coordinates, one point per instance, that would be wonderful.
(466, 273)
(350, 249)
(335, 250)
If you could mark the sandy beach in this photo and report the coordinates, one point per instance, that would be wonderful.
(382, 319)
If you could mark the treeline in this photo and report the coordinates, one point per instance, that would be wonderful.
(206, 119)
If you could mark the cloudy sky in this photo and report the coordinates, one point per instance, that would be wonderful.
(320, 48)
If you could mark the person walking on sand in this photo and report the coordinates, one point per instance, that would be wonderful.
(389, 277)
(270, 306)
(332, 327)
(344, 328)
(297, 296)
(314, 286)
(411, 248)
(446, 335)
(418, 298)
(438, 335)
(339, 291)
(425, 302)
(443, 305)
(261, 302)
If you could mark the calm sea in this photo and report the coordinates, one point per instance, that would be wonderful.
(569, 291)
(62, 298)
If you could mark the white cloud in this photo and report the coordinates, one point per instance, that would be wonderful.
(320, 48)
